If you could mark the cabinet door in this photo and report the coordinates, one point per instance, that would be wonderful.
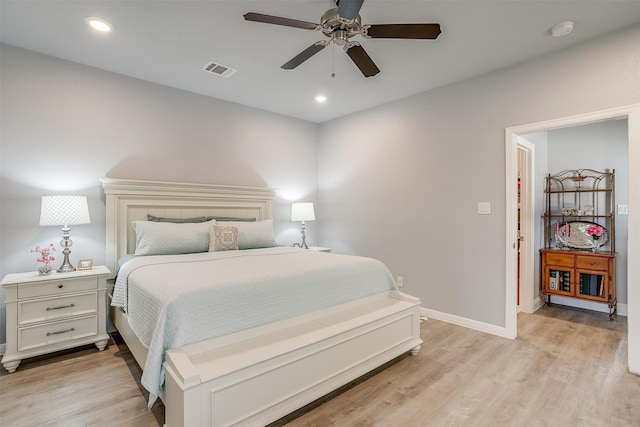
(558, 281)
(593, 285)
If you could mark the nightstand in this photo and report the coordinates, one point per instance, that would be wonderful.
(54, 312)
(319, 249)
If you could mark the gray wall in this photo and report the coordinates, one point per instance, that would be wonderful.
(401, 182)
(398, 182)
(65, 125)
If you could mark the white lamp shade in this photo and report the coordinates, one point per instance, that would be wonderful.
(64, 210)
(302, 212)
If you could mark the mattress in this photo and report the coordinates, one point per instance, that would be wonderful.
(175, 300)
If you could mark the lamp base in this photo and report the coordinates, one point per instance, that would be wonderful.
(66, 242)
(66, 266)
(304, 236)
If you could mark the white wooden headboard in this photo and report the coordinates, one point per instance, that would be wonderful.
(130, 200)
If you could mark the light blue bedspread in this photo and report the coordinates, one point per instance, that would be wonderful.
(174, 300)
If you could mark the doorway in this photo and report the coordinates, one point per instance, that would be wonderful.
(513, 145)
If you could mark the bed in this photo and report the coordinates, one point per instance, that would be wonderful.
(281, 351)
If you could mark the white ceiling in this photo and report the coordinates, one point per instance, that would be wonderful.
(168, 42)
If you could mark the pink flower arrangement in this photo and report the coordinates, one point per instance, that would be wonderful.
(44, 253)
(595, 231)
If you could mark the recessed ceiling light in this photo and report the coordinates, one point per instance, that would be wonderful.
(320, 98)
(99, 24)
(562, 29)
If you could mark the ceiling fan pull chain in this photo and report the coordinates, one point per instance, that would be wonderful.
(333, 61)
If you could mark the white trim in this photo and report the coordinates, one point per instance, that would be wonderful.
(527, 227)
(537, 303)
(633, 243)
(623, 309)
(464, 322)
(632, 113)
(511, 243)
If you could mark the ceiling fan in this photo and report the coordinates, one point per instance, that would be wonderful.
(340, 25)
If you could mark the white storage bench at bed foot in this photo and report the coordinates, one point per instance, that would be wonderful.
(259, 375)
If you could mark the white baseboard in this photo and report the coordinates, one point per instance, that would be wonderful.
(3, 348)
(501, 331)
(588, 305)
(623, 310)
(463, 321)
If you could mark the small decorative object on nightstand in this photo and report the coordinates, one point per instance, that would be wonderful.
(303, 212)
(44, 256)
(54, 312)
(85, 264)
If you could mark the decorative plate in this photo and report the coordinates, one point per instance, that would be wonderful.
(573, 234)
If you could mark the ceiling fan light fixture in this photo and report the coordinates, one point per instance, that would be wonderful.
(562, 29)
(99, 24)
(340, 37)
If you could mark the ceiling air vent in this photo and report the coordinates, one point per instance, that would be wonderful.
(219, 69)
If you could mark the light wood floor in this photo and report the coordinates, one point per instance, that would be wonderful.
(567, 368)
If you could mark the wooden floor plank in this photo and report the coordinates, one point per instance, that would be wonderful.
(567, 367)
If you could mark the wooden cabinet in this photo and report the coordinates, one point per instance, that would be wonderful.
(579, 274)
(54, 312)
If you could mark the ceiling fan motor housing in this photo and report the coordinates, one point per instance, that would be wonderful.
(332, 22)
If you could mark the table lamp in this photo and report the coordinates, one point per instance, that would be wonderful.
(303, 212)
(64, 211)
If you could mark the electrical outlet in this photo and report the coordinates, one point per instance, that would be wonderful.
(623, 209)
(400, 281)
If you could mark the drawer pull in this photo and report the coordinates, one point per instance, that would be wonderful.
(60, 286)
(60, 332)
(60, 307)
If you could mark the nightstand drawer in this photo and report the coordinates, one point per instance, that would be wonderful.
(32, 311)
(592, 263)
(56, 287)
(52, 333)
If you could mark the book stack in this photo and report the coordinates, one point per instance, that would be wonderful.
(560, 281)
(591, 284)
(553, 280)
(566, 281)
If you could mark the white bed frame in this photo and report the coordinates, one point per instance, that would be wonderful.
(259, 375)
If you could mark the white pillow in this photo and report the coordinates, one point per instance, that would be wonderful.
(167, 238)
(253, 235)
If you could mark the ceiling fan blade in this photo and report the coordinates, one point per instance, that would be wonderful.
(402, 31)
(277, 20)
(362, 60)
(304, 55)
(349, 9)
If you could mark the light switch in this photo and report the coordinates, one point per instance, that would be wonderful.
(484, 208)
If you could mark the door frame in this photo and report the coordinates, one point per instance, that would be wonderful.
(527, 226)
(632, 114)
